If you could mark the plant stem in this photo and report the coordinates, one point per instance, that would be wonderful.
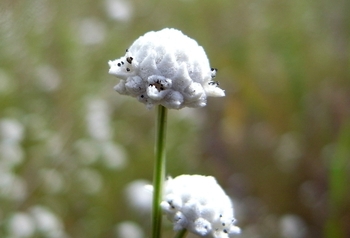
(338, 185)
(182, 233)
(159, 171)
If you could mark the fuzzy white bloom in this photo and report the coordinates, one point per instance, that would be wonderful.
(198, 204)
(168, 68)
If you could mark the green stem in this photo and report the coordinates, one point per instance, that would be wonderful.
(159, 171)
(182, 233)
(338, 185)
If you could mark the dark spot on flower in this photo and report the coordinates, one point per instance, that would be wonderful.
(127, 69)
(216, 83)
(119, 64)
(213, 72)
(225, 230)
(171, 204)
(158, 85)
(129, 59)
(122, 62)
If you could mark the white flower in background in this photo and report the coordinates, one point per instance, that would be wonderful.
(11, 130)
(98, 119)
(120, 10)
(198, 204)
(21, 225)
(139, 196)
(168, 68)
(47, 223)
(128, 229)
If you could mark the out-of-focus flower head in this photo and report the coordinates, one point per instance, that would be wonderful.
(197, 203)
(168, 68)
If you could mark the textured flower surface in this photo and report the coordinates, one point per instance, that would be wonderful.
(198, 204)
(166, 67)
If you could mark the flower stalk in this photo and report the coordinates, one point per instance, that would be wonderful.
(159, 171)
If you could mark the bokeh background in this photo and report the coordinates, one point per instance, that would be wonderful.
(74, 154)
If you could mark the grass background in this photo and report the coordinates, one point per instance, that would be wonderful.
(279, 142)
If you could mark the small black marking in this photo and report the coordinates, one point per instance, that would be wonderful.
(127, 50)
(122, 62)
(215, 83)
(119, 64)
(129, 59)
(213, 72)
(225, 230)
(127, 69)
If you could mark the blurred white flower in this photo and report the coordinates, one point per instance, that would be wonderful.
(120, 10)
(292, 226)
(11, 136)
(21, 225)
(113, 155)
(11, 155)
(198, 204)
(47, 223)
(168, 68)
(128, 229)
(12, 187)
(98, 119)
(91, 31)
(11, 130)
(48, 78)
(138, 196)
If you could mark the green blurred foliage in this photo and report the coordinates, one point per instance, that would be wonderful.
(271, 142)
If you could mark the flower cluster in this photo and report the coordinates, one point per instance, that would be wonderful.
(197, 203)
(167, 68)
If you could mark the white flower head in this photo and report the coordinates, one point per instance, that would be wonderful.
(168, 68)
(197, 203)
